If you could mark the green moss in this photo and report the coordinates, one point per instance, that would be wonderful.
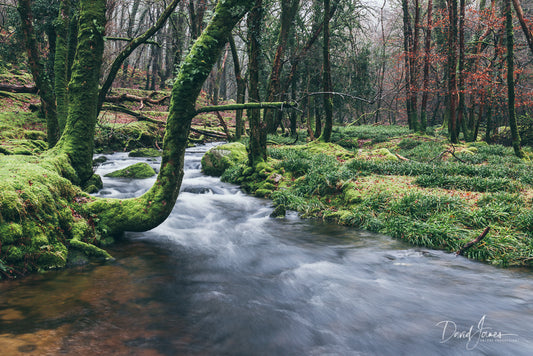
(139, 170)
(40, 213)
(145, 152)
(220, 158)
(279, 211)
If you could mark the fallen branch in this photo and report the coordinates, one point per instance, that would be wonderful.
(473, 242)
(223, 124)
(108, 38)
(267, 105)
(139, 116)
(209, 133)
(129, 97)
(402, 157)
(14, 88)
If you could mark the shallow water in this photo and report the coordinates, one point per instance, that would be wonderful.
(220, 277)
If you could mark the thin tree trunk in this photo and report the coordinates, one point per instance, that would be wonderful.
(328, 98)
(289, 9)
(61, 63)
(427, 59)
(407, 40)
(515, 135)
(257, 145)
(241, 89)
(523, 24)
(42, 81)
(461, 122)
(451, 69)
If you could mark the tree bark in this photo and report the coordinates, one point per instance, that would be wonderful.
(77, 140)
(427, 59)
(61, 63)
(451, 69)
(257, 145)
(289, 9)
(328, 98)
(241, 89)
(407, 40)
(41, 79)
(515, 135)
(523, 24)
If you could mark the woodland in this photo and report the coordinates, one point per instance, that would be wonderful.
(408, 118)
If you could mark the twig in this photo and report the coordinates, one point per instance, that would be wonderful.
(473, 242)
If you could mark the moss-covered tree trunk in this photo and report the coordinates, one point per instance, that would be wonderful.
(153, 207)
(326, 78)
(42, 81)
(257, 145)
(61, 63)
(515, 135)
(77, 140)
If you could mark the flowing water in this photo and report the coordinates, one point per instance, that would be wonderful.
(220, 277)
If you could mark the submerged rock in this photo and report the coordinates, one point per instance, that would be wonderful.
(279, 212)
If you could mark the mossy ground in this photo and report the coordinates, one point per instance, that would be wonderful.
(42, 217)
(416, 188)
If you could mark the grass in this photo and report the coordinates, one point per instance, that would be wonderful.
(435, 195)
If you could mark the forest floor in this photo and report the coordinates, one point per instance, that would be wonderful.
(384, 179)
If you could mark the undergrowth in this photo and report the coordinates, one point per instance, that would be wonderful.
(432, 194)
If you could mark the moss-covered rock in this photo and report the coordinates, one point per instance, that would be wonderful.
(279, 211)
(118, 137)
(220, 158)
(139, 170)
(94, 184)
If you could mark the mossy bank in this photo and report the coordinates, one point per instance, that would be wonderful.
(415, 188)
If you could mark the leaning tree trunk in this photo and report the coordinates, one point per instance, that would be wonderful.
(153, 207)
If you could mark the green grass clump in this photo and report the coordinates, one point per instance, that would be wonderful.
(469, 183)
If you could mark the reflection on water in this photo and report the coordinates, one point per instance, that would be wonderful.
(220, 277)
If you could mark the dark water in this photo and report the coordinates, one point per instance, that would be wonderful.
(220, 277)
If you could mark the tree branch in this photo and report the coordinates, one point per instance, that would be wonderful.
(265, 105)
(473, 242)
(110, 38)
(130, 47)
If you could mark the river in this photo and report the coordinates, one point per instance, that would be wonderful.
(220, 277)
